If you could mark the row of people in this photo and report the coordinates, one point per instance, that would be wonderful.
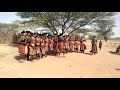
(35, 46)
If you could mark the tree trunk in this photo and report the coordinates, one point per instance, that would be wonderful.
(61, 34)
(105, 38)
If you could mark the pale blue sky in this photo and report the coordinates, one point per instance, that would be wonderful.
(9, 17)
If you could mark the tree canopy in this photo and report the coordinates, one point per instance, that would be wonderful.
(105, 28)
(65, 21)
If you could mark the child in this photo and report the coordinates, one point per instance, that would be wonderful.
(100, 44)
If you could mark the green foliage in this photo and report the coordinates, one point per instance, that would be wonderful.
(85, 31)
(105, 28)
(66, 21)
(26, 25)
(6, 32)
(90, 36)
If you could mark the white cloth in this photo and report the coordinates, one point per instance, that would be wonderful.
(32, 44)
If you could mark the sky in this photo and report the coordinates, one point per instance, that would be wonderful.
(9, 17)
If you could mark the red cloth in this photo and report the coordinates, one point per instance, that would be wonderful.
(46, 46)
(76, 44)
(21, 48)
(61, 45)
(51, 42)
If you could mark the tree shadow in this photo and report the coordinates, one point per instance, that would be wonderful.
(51, 54)
(2, 55)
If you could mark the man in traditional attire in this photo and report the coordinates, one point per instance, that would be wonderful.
(77, 45)
(72, 44)
(94, 45)
(100, 44)
(118, 50)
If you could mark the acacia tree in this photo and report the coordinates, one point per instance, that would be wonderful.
(85, 31)
(105, 28)
(26, 25)
(66, 21)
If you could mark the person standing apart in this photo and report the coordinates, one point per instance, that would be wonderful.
(94, 45)
(100, 44)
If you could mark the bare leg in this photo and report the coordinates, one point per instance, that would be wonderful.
(63, 53)
(21, 61)
(58, 54)
(32, 58)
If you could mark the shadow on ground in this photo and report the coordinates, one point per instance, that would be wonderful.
(88, 53)
(17, 57)
(112, 52)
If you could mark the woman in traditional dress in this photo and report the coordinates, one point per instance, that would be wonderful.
(46, 46)
(82, 45)
(38, 50)
(33, 48)
(27, 51)
(61, 46)
(71, 44)
(21, 46)
(42, 46)
(77, 45)
(51, 43)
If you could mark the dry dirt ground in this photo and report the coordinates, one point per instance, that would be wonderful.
(106, 64)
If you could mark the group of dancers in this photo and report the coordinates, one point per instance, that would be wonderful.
(34, 46)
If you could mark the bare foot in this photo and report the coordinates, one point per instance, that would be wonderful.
(58, 56)
(21, 61)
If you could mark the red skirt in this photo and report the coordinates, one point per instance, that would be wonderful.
(46, 47)
(61, 46)
(83, 46)
(21, 49)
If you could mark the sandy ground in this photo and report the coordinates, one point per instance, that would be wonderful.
(106, 64)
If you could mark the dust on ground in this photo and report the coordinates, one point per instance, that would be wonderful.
(105, 64)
